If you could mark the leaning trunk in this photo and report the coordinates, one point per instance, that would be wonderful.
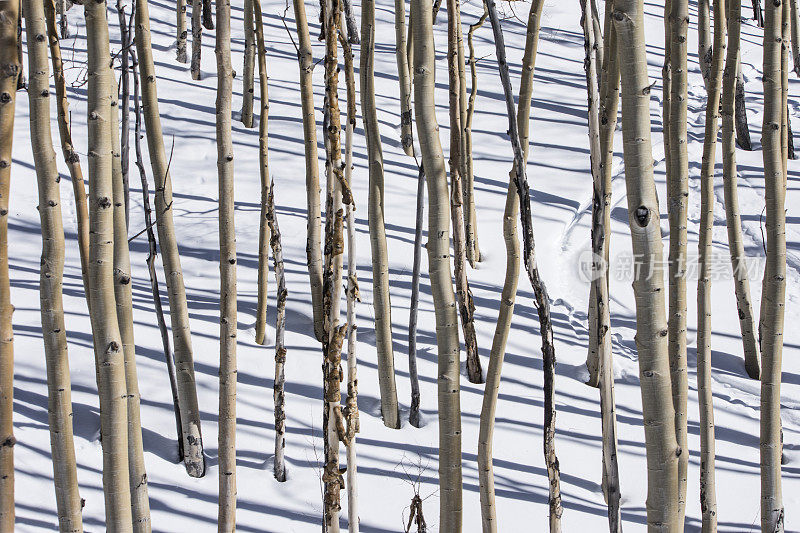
(179, 312)
(733, 217)
(541, 298)
(226, 518)
(108, 347)
(404, 77)
(774, 295)
(54, 334)
(375, 214)
(439, 269)
(648, 285)
(248, 88)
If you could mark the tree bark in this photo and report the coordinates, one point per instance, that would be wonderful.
(472, 250)
(180, 27)
(404, 77)
(541, 298)
(651, 331)
(208, 15)
(350, 21)
(742, 128)
(151, 257)
(351, 405)
(248, 88)
(413, 412)
(54, 334)
(105, 328)
(466, 307)
(795, 37)
(677, 212)
(377, 229)
(450, 477)
(179, 312)
(704, 39)
(313, 239)
(774, 295)
(71, 157)
(509, 292)
(226, 519)
(752, 357)
(197, 38)
(10, 69)
(264, 239)
(126, 39)
(758, 13)
(708, 500)
(140, 504)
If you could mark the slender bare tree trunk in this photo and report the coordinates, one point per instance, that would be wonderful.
(54, 334)
(351, 404)
(126, 39)
(10, 69)
(350, 21)
(509, 292)
(413, 412)
(105, 328)
(708, 500)
(208, 15)
(404, 77)
(264, 239)
(466, 307)
(651, 332)
(472, 250)
(774, 295)
(313, 239)
(377, 230)
(471, 109)
(599, 139)
(795, 36)
(704, 38)
(758, 13)
(541, 298)
(752, 357)
(439, 264)
(140, 504)
(248, 88)
(226, 519)
(151, 256)
(597, 31)
(70, 155)
(677, 209)
(742, 128)
(179, 312)
(338, 192)
(197, 38)
(180, 27)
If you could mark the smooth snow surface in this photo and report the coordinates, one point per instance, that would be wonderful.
(393, 463)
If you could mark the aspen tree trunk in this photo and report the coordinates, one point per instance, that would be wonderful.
(338, 192)
(509, 292)
(598, 39)
(350, 21)
(609, 103)
(105, 328)
(62, 23)
(263, 138)
(351, 405)
(450, 477)
(140, 504)
(472, 250)
(771, 325)
(208, 15)
(752, 357)
(197, 38)
(677, 210)
(704, 38)
(708, 499)
(226, 518)
(375, 215)
(466, 307)
(600, 138)
(70, 155)
(180, 27)
(151, 256)
(413, 411)
(473, 90)
(313, 239)
(795, 36)
(404, 77)
(10, 70)
(249, 65)
(54, 334)
(541, 299)
(125, 123)
(651, 332)
(179, 312)
(758, 13)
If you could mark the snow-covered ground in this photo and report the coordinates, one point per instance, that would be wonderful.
(393, 464)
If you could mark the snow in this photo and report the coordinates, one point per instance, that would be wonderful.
(393, 464)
